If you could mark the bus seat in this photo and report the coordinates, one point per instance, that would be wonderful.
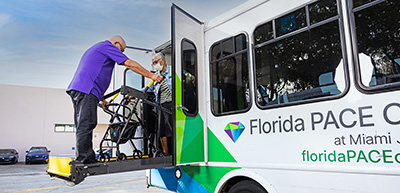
(373, 79)
(327, 84)
(397, 60)
(325, 79)
(285, 98)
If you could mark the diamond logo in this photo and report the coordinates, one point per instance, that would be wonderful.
(234, 130)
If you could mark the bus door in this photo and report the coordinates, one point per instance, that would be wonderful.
(187, 57)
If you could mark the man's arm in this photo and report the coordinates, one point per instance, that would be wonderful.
(136, 67)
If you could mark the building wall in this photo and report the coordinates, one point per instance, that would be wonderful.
(28, 116)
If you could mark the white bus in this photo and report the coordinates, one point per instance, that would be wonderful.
(286, 96)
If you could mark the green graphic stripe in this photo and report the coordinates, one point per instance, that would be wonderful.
(193, 140)
(189, 133)
(180, 120)
(216, 150)
(207, 176)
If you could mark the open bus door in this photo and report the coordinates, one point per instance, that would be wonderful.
(189, 112)
(187, 59)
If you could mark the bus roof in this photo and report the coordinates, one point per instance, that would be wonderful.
(235, 12)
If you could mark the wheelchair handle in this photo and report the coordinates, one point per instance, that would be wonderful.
(148, 86)
(115, 96)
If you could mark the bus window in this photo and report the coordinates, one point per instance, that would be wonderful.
(322, 10)
(189, 72)
(291, 22)
(133, 79)
(357, 3)
(263, 33)
(227, 47)
(304, 64)
(240, 43)
(230, 76)
(378, 40)
(216, 52)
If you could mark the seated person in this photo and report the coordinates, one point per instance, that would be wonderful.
(163, 93)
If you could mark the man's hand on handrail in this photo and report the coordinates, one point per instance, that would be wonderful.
(157, 78)
(104, 104)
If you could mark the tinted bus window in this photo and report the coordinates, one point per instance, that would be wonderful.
(216, 52)
(322, 10)
(378, 38)
(291, 22)
(357, 3)
(302, 66)
(240, 43)
(263, 33)
(189, 74)
(227, 47)
(230, 76)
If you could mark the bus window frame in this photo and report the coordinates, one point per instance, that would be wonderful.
(339, 18)
(389, 87)
(211, 62)
(196, 77)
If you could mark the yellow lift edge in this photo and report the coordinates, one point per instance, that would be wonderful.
(59, 166)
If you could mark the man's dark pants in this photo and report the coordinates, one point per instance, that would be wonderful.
(85, 107)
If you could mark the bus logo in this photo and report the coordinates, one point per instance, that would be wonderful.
(234, 130)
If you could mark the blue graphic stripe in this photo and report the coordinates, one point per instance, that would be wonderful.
(165, 178)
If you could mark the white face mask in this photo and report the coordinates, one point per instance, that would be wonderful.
(158, 67)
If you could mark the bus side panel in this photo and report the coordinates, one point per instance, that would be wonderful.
(354, 139)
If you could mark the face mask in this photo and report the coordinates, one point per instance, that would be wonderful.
(158, 67)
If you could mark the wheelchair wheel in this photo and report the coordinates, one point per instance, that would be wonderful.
(137, 154)
(105, 157)
(121, 156)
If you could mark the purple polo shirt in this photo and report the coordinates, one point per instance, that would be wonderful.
(95, 69)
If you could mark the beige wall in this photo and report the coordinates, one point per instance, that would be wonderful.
(28, 116)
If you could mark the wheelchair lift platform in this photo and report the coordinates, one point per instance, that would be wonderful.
(66, 169)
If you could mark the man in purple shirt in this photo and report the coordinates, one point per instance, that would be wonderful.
(90, 82)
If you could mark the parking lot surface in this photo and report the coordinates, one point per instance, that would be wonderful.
(33, 178)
